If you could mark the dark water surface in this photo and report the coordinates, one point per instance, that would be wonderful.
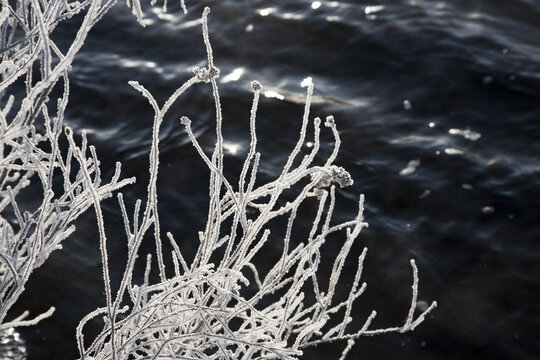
(453, 86)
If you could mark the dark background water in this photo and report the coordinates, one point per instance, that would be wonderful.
(452, 84)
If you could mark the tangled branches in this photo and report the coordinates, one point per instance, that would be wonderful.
(222, 305)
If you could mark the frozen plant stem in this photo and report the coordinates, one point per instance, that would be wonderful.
(204, 310)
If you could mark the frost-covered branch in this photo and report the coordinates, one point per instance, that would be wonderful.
(31, 230)
(224, 304)
(31, 129)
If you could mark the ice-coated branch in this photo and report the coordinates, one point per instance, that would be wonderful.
(30, 60)
(223, 304)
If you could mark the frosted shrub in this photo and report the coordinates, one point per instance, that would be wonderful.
(222, 304)
(31, 127)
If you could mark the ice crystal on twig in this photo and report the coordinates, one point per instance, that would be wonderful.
(333, 174)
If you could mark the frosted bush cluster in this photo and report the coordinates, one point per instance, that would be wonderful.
(31, 127)
(222, 304)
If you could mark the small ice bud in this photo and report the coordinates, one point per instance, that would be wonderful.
(307, 82)
(206, 75)
(213, 71)
(329, 121)
(184, 120)
(334, 174)
(256, 86)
